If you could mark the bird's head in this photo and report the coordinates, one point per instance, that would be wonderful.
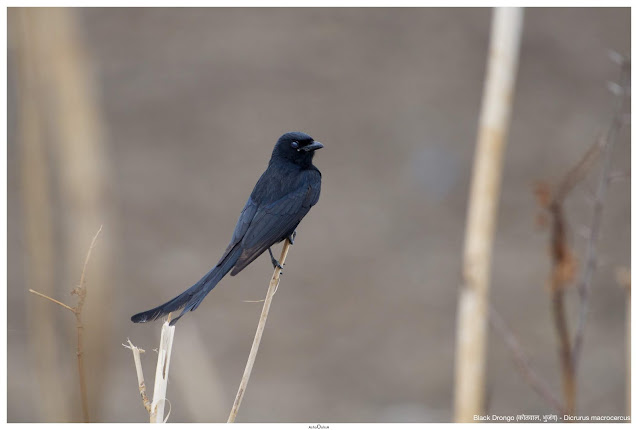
(297, 147)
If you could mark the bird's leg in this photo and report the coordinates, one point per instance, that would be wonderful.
(291, 238)
(274, 261)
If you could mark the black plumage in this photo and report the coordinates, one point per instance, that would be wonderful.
(284, 194)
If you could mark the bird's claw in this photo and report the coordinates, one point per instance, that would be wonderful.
(276, 264)
(291, 238)
(273, 260)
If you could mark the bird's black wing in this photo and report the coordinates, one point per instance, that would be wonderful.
(243, 223)
(273, 222)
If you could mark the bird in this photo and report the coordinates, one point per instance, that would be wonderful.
(282, 197)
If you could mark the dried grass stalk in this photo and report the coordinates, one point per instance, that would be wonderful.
(481, 220)
(272, 287)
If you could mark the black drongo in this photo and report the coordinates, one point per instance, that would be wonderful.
(283, 195)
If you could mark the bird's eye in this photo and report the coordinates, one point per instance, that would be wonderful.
(295, 145)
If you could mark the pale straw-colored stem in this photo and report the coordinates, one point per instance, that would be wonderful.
(80, 291)
(161, 373)
(140, 373)
(473, 312)
(272, 287)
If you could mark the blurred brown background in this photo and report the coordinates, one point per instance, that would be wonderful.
(188, 104)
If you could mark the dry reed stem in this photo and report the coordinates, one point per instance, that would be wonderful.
(37, 223)
(79, 291)
(272, 287)
(161, 372)
(140, 373)
(471, 338)
(57, 98)
(70, 101)
(155, 408)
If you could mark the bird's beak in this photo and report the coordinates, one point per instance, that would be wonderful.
(312, 147)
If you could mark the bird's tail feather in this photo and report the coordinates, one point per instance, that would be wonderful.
(190, 299)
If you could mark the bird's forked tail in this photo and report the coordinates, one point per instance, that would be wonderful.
(191, 298)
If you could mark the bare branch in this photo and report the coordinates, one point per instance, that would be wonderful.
(563, 262)
(562, 274)
(604, 178)
(579, 171)
(80, 291)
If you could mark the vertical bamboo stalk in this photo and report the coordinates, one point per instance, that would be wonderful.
(472, 321)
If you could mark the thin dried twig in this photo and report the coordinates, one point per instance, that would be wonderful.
(579, 171)
(79, 291)
(522, 362)
(604, 178)
(272, 287)
(53, 300)
(563, 266)
(140, 373)
(567, 373)
(563, 262)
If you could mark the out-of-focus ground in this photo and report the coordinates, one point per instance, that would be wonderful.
(362, 328)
